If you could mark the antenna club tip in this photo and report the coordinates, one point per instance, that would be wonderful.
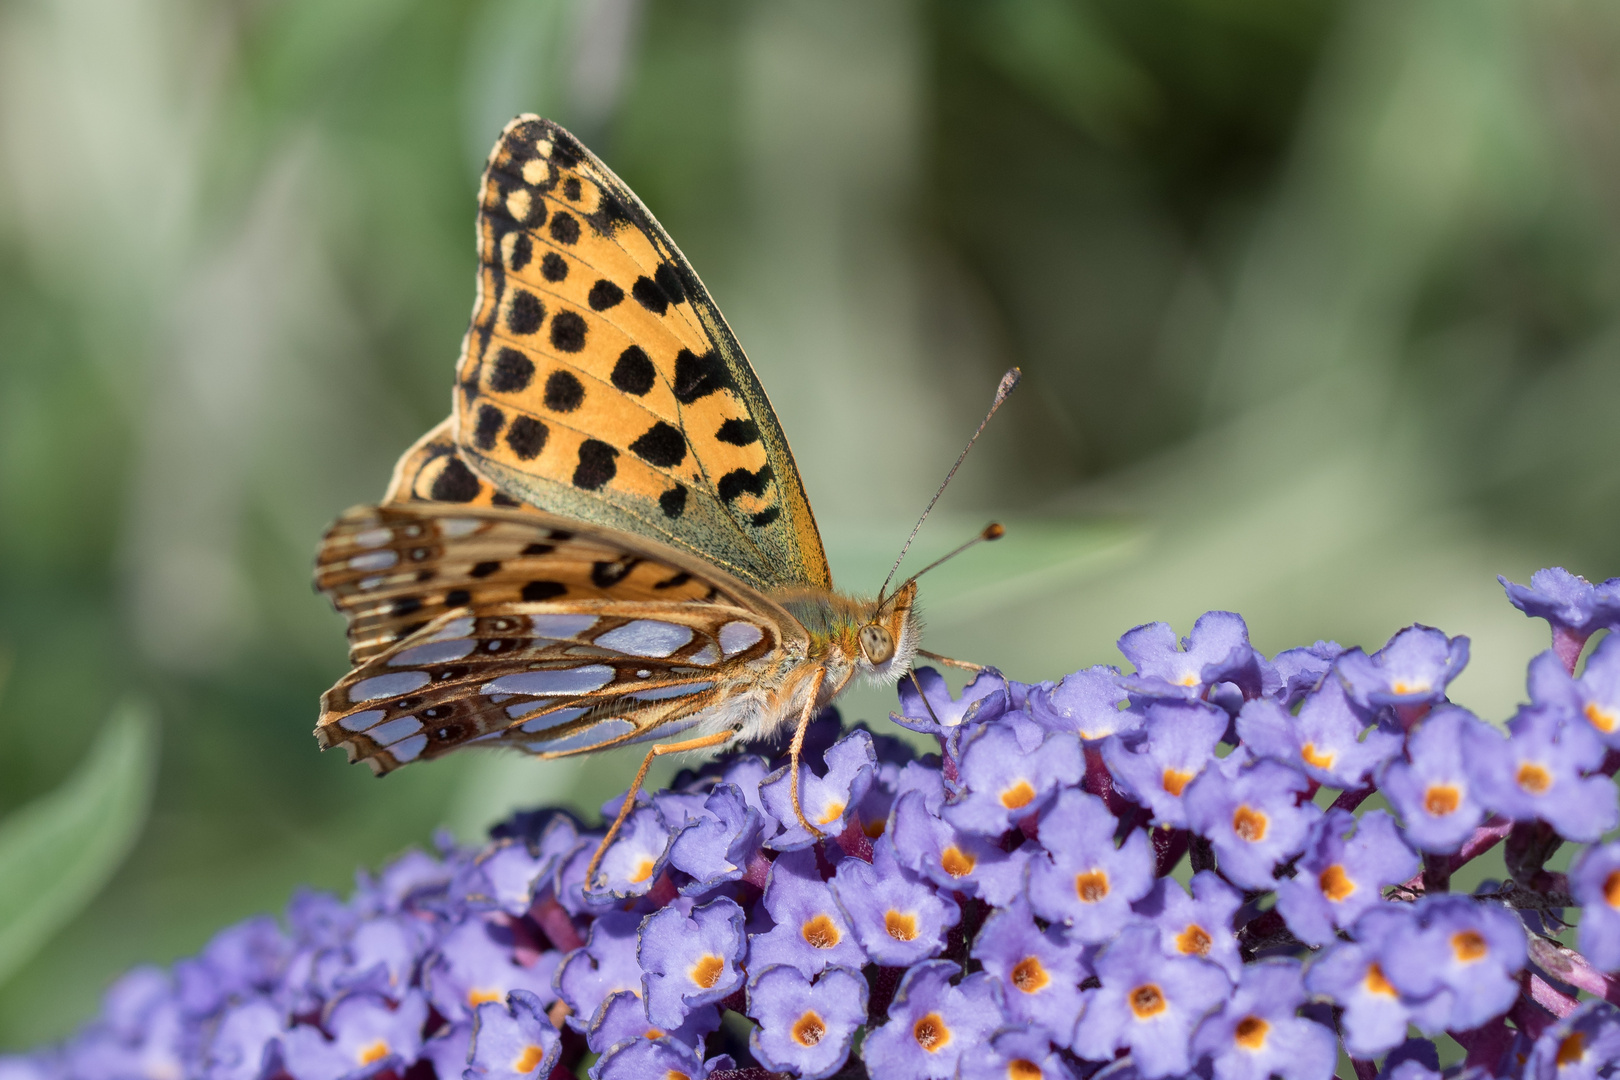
(1009, 382)
(993, 531)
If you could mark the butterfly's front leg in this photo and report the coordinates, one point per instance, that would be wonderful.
(701, 743)
(810, 709)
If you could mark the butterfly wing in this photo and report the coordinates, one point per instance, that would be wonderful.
(458, 634)
(599, 381)
(393, 569)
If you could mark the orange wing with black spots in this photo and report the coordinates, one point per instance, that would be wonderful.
(599, 382)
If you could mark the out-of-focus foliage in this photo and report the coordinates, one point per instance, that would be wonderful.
(1317, 301)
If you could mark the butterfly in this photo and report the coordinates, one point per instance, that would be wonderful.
(608, 541)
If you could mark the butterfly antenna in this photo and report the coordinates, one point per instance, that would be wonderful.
(1008, 383)
(992, 531)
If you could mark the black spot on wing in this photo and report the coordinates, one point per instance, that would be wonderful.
(681, 577)
(565, 149)
(526, 312)
(669, 281)
(661, 445)
(571, 189)
(501, 498)
(543, 590)
(738, 432)
(455, 483)
(564, 228)
(634, 373)
(522, 252)
(564, 392)
(596, 465)
(740, 481)
(673, 501)
(542, 549)
(527, 437)
(698, 376)
(511, 371)
(606, 574)
(568, 332)
(604, 295)
(405, 605)
(649, 295)
(457, 597)
(766, 516)
(483, 569)
(553, 267)
(488, 426)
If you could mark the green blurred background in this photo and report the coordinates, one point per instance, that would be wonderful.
(1317, 303)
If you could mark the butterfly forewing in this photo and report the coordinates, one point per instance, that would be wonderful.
(599, 381)
(433, 470)
(392, 569)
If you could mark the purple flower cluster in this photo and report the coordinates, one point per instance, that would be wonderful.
(1164, 873)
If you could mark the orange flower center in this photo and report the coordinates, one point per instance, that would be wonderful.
(1602, 717)
(1147, 1001)
(373, 1052)
(477, 996)
(1572, 1049)
(1091, 886)
(957, 862)
(1375, 982)
(931, 1033)
(1611, 888)
(1018, 795)
(1441, 799)
(1174, 780)
(643, 871)
(901, 925)
(529, 1060)
(1021, 1069)
(820, 932)
(1468, 946)
(1194, 941)
(1335, 883)
(1250, 824)
(833, 812)
(1029, 976)
(1416, 686)
(1322, 759)
(706, 972)
(808, 1029)
(1534, 778)
(1251, 1033)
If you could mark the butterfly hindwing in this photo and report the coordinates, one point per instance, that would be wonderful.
(551, 678)
(599, 382)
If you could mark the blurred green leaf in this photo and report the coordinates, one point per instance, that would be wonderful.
(57, 852)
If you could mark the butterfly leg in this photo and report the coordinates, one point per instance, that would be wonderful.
(700, 743)
(798, 746)
(948, 662)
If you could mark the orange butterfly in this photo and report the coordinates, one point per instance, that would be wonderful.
(674, 581)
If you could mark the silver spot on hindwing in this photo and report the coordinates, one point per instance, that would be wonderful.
(645, 637)
(554, 681)
(381, 686)
(434, 652)
(361, 720)
(736, 637)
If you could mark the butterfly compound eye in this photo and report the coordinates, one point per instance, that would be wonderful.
(877, 644)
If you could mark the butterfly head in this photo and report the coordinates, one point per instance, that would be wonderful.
(888, 636)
